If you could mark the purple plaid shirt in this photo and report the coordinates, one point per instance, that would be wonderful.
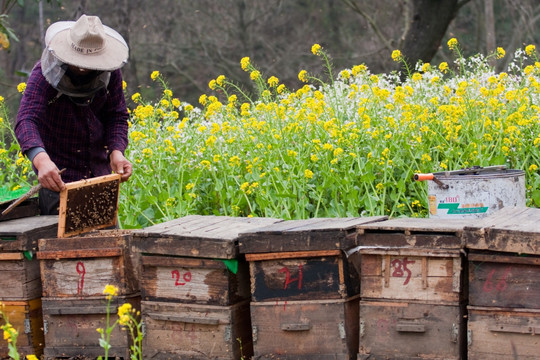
(78, 138)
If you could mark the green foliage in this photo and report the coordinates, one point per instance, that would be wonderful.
(346, 147)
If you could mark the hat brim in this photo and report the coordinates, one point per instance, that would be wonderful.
(113, 56)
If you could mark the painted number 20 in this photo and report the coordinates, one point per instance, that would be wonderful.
(176, 275)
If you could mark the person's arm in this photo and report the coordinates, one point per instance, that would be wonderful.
(32, 109)
(117, 126)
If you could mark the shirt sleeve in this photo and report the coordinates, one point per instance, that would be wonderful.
(116, 115)
(31, 109)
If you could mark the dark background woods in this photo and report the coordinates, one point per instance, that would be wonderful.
(192, 42)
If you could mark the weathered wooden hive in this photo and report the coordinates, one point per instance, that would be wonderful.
(304, 290)
(504, 285)
(195, 288)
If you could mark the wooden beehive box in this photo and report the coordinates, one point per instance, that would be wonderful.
(504, 285)
(22, 234)
(302, 259)
(19, 277)
(413, 288)
(26, 317)
(193, 331)
(70, 327)
(81, 267)
(503, 333)
(195, 259)
(411, 330)
(88, 205)
(305, 330)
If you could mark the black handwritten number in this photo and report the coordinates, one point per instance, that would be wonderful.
(400, 268)
(186, 277)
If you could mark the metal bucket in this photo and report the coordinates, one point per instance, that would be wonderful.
(475, 192)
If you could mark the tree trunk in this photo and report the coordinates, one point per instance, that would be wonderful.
(490, 29)
(427, 24)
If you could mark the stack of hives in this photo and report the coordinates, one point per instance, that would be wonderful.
(413, 293)
(75, 272)
(20, 282)
(504, 285)
(195, 288)
(304, 293)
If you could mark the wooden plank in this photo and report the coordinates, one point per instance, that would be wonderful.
(79, 254)
(303, 235)
(419, 225)
(88, 204)
(392, 330)
(182, 331)
(196, 236)
(11, 256)
(306, 329)
(511, 229)
(501, 334)
(207, 226)
(291, 255)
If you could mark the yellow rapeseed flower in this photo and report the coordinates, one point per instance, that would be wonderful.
(316, 49)
(255, 74)
(244, 63)
(530, 50)
(443, 67)
(212, 84)
(155, 74)
(110, 291)
(136, 97)
(21, 87)
(500, 53)
(31, 357)
(452, 44)
(303, 76)
(308, 174)
(533, 168)
(273, 81)
(220, 80)
(396, 55)
(4, 41)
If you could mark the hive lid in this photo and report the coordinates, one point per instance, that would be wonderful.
(304, 235)
(511, 229)
(206, 236)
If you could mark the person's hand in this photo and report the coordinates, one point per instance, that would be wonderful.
(48, 173)
(121, 165)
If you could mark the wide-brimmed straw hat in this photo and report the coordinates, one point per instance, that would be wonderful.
(87, 43)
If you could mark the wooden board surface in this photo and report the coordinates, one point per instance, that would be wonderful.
(89, 204)
(26, 317)
(22, 234)
(304, 235)
(510, 229)
(27, 208)
(197, 236)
